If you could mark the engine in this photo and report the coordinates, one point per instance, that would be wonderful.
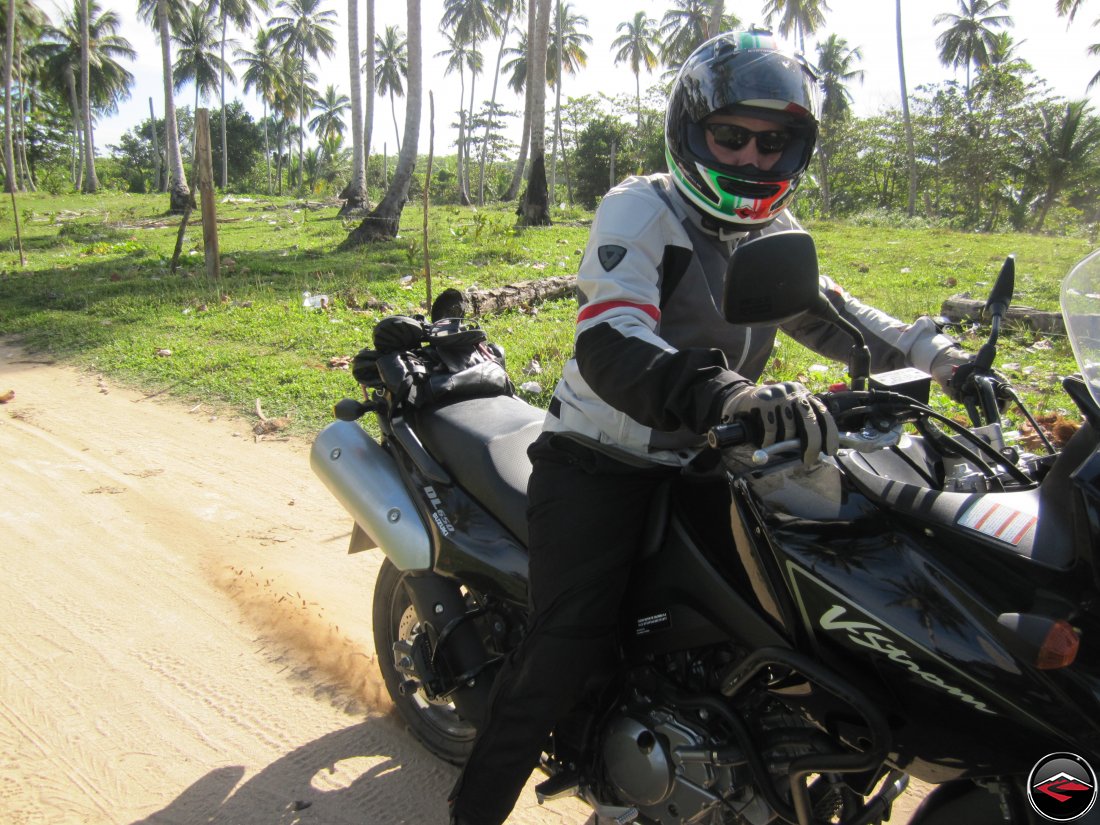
(666, 764)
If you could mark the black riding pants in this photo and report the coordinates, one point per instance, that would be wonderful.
(586, 514)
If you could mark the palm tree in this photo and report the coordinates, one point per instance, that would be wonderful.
(471, 21)
(263, 74)
(969, 36)
(801, 16)
(635, 46)
(197, 59)
(355, 193)
(518, 82)
(684, 27)
(9, 53)
(330, 108)
(566, 53)
(297, 85)
(239, 13)
(29, 23)
(1002, 76)
(460, 56)
(391, 68)
(1068, 9)
(503, 11)
(304, 31)
(1052, 158)
(159, 13)
(369, 84)
(835, 63)
(91, 181)
(534, 211)
(906, 119)
(109, 82)
(383, 222)
(567, 39)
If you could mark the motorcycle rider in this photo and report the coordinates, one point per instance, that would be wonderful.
(655, 365)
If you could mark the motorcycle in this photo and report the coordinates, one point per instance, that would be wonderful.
(920, 605)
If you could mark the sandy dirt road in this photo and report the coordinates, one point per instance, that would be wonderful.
(184, 638)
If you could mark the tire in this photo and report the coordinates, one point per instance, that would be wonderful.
(436, 725)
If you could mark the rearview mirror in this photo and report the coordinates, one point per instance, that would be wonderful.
(771, 279)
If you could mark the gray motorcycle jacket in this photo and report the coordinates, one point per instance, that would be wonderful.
(654, 357)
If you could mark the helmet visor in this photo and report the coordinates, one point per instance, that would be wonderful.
(762, 78)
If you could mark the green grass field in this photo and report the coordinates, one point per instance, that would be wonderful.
(97, 291)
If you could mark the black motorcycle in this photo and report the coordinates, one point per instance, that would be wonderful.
(922, 604)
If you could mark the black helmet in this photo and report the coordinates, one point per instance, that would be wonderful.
(740, 73)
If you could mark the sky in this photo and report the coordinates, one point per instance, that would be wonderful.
(1058, 55)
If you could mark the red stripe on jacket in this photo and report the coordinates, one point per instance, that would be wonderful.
(592, 310)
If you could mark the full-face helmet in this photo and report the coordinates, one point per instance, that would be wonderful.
(746, 74)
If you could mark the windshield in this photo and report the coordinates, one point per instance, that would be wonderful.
(1081, 310)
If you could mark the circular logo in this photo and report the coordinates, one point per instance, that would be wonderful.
(1062, 787)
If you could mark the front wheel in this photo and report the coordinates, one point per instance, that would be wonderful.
(436, 724)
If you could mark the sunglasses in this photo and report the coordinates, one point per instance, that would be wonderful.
(733, 137)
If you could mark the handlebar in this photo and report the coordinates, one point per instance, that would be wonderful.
(879, 429)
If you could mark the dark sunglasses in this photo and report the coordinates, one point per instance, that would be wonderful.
(733, 137)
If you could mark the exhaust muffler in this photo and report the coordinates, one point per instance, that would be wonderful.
(365, 480)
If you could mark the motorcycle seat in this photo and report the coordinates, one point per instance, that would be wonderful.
(482, 443)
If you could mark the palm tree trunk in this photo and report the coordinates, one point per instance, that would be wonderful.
(911, 151)
(465, 147)
(225, 150)
(714, 23)
(179, 194)
(385, 220)
(535, 210)
(301, 115)
(463, 195)
(9, 51)
(557, 110)
(492, 109)
(826, 197)
(78, 141)
(525, 140)
(393, 112)
(156, 148)
(368, 82)
(91, 182)
(355, 193)
(28, 175)
(267, 149)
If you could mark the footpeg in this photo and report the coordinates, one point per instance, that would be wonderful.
(558, 786)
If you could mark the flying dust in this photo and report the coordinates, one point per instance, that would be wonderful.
(299, 625)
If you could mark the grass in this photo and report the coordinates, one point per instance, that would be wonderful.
(97, 292)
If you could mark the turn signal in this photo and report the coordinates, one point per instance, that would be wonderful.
(1059, 648)
(1048, 643)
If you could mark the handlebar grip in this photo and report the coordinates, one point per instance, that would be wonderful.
(721, 436)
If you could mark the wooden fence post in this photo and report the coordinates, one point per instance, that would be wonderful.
(204, 174)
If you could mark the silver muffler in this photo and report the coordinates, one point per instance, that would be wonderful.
(365, 480)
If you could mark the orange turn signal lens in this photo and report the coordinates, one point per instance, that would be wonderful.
(1059, 648)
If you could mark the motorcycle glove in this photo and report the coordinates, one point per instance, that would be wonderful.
(782, 412)
(953, 370)
(945, 367)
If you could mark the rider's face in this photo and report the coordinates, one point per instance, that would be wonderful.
(750, 153)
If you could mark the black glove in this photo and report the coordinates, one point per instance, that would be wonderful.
(781, 412)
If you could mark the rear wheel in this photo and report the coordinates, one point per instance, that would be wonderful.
(437, 724)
